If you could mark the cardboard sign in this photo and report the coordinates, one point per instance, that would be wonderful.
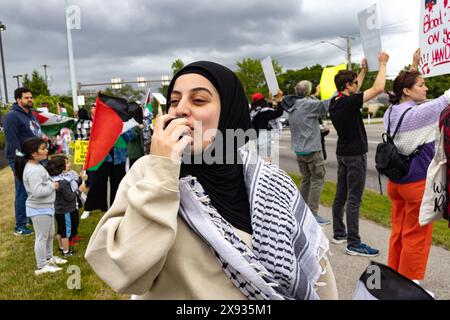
(269, 74)
(327, 86)
(81, 147)
(434, 37)
(369, 28)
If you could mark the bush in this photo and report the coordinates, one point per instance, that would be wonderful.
(365, 112)
(2, 140)
(380, 112)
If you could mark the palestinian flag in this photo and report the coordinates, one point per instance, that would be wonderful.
(112, 118)
(51, 124)
(148, 109)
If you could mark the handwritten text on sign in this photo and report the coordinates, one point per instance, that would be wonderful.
(435, 37)
(81, 147)
(440, 198)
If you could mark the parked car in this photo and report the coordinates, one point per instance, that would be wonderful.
(284, 119)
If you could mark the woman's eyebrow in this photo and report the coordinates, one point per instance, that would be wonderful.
(201, 89)
(194, 90)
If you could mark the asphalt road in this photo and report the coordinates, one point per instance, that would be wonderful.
(289, 164)
(347, 269)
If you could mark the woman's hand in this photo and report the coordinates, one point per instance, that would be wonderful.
(166, 142)
(416, 60)
(55, 185)
(83, 188)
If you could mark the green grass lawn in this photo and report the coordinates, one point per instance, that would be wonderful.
(377, 208)
(17, 260)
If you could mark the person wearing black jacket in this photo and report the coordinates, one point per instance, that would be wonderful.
(65, 202)
(261, 114)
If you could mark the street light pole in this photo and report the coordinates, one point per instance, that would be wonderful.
(70, 16)
(3, 28)
(349, 50)
(18, 76)
(45, 73)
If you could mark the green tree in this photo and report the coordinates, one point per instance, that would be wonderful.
(251, 74)
(37, 84)
(126, 92)
(290, 78)
(177, 65)
(51, 102)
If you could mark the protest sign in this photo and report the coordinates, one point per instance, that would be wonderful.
(327, 86)
(269, 74)
(81, 147)
(434, 37)
(369, 28)
(160, 98)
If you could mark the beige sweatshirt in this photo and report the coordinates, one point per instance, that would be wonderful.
(142, 247)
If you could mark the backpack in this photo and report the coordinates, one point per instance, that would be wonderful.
(388, 161)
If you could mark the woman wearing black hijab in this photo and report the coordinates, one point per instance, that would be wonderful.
(183, 227)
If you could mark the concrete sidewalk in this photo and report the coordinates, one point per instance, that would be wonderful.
(347, 269)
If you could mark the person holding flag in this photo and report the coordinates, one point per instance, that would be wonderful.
(107, 150)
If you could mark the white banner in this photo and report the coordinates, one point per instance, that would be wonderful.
(269, 74)
(160, 98)
(434, 37)
(369, 28)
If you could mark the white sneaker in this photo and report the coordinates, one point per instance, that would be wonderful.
(55, 260)
(85, 215)
(48, 268)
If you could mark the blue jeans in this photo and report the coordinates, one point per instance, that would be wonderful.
(19, 203)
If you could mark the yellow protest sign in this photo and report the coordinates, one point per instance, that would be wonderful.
(72, 145)
(81, 147)
(327, 86)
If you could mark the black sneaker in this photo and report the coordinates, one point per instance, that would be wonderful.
(339, 240)
(68, 253)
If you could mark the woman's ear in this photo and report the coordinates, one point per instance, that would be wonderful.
(406, 92)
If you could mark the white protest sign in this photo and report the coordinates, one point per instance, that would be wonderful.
(81, 101)
(269, 74)
(160, 98)
(369, 28)
(434, 37)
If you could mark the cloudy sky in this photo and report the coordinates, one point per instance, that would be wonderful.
(132, 38)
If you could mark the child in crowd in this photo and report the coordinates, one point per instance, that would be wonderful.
(40, 202)
(66, 211)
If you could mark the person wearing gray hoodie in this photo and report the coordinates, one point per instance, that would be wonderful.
(304, 114)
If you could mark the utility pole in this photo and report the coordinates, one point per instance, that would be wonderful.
(3, 28)
(45, 73)
(349, 50)
(18, 76)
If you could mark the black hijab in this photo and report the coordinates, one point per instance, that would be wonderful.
(224, 183)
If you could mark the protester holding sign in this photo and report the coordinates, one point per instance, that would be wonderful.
(409, 243)
(351, 152)
(262, 113)
(304, 120)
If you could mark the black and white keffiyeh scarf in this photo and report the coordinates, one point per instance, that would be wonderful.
(287, 241)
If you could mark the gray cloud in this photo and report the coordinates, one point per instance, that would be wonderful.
(131, 38)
